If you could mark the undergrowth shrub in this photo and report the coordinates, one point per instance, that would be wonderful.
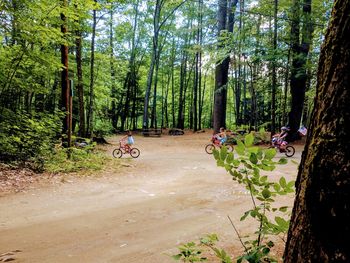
(27, 137)
(80, 160)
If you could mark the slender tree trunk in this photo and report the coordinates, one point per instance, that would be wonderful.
(65, 94)
(305, 117)
(80, 87)
(319, 229)
(173, 83)
(183, 74)
(156, 18)
(274, 73)
(90, 116)
(114, 95)
(154, 107)
(284, 110)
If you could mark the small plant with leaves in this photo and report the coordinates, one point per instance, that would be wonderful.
(245, 168)
(193, 252)
(190, 252)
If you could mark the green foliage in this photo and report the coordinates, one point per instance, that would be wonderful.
(79, 160)
(27, 137)
(246, 170)
(189, 252)
(193, 252)
(258, 254)
(103, 127)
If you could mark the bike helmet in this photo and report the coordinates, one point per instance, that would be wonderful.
(284, 128)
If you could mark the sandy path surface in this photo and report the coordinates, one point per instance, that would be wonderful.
(173, 193)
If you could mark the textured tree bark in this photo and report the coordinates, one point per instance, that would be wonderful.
(90, 117)
(64, 79)
(320, 229)
(274, 71)
(80, 84)
(299, 58)
(225, 21)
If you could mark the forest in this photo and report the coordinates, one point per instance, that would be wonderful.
(88, 71)
(98, 67)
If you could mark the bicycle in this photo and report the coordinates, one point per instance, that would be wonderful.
(123, 149)
(209, 148)
(288, 151)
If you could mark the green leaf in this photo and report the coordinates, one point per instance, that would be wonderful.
(266, 193)
(223, 153)
(268, 167)
(220, 163)
(265, 250)
(277, 187)
(270, 244)
(283, 161)
(283, 182)
(177, 257)
(295, 162)
(237, 174)
(281, 222)
(263, 179)
(256, 172)
(283, 209)
(236, 163)
(216, 154)
(253, 158)
(291, 184)
(240, 149)
(248, 140)
(246, 213)
(270, 153)
(229, 158)
(254, 150)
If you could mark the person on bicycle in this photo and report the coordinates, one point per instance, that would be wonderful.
(128, 140)
(279, 138)
(221, 136)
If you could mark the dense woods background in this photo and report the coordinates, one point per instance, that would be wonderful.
(139, 64)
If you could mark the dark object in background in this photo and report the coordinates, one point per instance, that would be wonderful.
(175, 132)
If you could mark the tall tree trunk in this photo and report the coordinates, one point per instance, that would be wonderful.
(298, 69)
(274, 73)
(80, 84)
(286, 78)
(306, 108)
(114, 95)
(225, 22)
(173, 83)
(183, 74)
(319, 229)
(156, 18)
(90, 116)
(65, 91)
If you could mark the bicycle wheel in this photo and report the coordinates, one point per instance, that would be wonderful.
(134, 152)
(117, 153)
(229, 148)
(289, 151)
(209, 148)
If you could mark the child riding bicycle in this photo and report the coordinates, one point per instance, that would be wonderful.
(220, 138)
(127, 141)
(278, 139)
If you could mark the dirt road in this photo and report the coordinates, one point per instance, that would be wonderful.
(173, 193)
